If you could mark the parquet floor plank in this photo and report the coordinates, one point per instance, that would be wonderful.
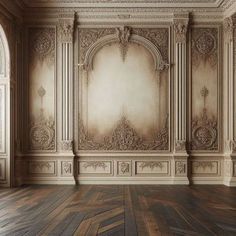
(118, 210)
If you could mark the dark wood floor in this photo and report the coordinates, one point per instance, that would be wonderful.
(118, 210)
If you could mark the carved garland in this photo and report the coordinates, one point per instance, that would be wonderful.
(204, 46)
(123, 138)
(95, 164)
(151, 164)
(203, 165)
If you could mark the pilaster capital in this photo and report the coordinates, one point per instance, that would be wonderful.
(228, 29)
(66, 30)
(180, 24)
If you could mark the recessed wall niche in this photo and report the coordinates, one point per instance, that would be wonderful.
(124, 99)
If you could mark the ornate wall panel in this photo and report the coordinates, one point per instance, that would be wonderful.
(124, 88)
(2, 169)
(152, 168)
(42, 168)
(206, 168)
(2, 118)
(41, 66)
(205, 131)
(95, 167)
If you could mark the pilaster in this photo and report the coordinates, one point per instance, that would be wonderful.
(180, 26)
(229, 103)
(65, 95)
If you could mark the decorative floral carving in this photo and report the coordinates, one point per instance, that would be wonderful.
(40, 165)
(203, 164)
(88, 37)
(66, 145)
(180, 145)
(151, 164)
(180, 167)
(204, 129)
(123, 138)
(42, 44)
(158, 36)
(230, 146)
(95, 164)
(228, 168)
(204, 46)
(65, 30)
(66, 167)
(42, 129)
(123, 35)
(124, 167)
(228, 29)
(180, 28)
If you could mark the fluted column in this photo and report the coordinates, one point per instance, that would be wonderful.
(229, 104)
(65, 30)
(180, 26)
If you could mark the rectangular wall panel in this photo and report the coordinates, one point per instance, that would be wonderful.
(204, 55)
(41, 66)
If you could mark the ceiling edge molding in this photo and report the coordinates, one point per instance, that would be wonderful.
(12, 8)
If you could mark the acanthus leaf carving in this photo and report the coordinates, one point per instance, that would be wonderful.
(123, 35)
(203, 164)
(124, 138)
(66, 30)
(66, 145)
(95, 164)
(180, 29)
(228, 29)
(151, 164)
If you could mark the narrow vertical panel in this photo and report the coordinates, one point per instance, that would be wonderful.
(204, 127)
(41, 89)
(2, 119)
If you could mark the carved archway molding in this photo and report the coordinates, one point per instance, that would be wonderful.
(159, 62)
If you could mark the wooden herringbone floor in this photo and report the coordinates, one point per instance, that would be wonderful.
(118, 210)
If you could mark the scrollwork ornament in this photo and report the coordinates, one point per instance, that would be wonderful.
(124, 137)
(180, 28)
(204, 46)
(95, 165)
(67, 167)
(42, 133)
(42, 44)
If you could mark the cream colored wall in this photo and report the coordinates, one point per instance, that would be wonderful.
(144, 104)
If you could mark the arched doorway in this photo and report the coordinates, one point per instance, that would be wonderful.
(5, 153)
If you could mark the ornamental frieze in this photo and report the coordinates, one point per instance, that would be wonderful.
(124, 138)
(204, 46)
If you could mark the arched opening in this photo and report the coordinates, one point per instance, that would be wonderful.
(4, 110)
